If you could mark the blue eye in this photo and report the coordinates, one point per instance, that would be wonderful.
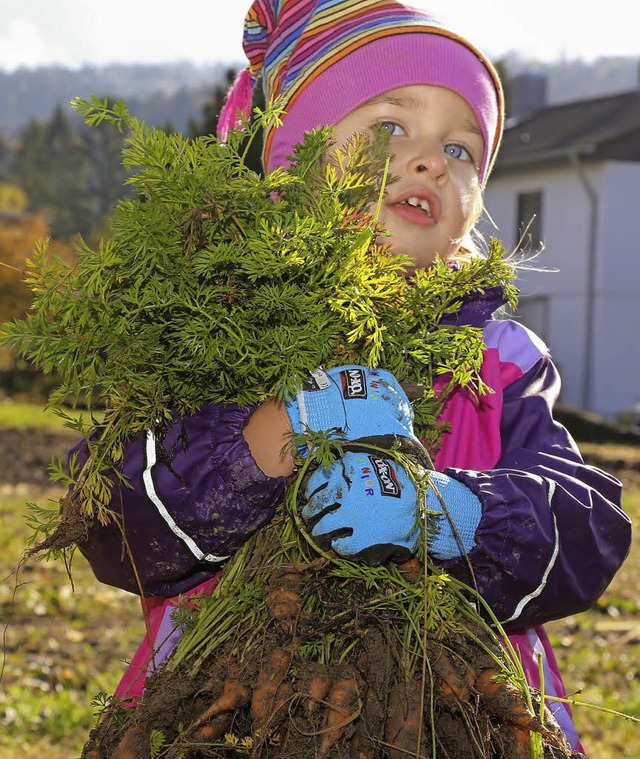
(394, 129)
(457, 152)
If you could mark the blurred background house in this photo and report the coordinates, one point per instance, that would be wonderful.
(565, 193)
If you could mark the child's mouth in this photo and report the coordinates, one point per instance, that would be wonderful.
(414, 209)
(418, 203)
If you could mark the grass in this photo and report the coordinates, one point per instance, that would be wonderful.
(64, 642)
(19, 414)
(23, 414)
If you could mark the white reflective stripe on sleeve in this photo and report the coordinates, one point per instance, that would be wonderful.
(149, 486)
(551, 485)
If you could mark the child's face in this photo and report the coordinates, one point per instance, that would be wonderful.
(436, 146)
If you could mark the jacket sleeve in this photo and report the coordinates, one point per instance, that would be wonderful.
(193, 500)
(552, 532)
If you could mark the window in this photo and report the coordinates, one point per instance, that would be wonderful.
(529, 221)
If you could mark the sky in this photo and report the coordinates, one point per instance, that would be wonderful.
(74, 33)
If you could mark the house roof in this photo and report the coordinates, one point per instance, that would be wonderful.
(605, 128)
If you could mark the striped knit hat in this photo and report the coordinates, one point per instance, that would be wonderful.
(325, 58)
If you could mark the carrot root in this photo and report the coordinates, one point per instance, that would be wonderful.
(130, 743)
(505, 701)
(269, 680)
(285, 607)
(317, 689)
(361, 748)
(235, 694)
(404, 725)
(522, 743)
(343, 709)
(411, 569)
(455, 685)
(215, 729)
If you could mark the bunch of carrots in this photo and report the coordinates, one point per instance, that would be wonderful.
(299, 653)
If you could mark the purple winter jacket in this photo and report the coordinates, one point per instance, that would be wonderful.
(551, 536)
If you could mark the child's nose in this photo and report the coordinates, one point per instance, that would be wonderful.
(427, 158)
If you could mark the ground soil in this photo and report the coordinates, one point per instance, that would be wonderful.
(381, 719)
(26, 454)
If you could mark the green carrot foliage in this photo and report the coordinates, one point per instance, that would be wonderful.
(218, 284)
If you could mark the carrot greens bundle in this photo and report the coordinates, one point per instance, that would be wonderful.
(218, 284)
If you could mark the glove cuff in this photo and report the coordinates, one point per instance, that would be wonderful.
(459, 517)
(313, 407)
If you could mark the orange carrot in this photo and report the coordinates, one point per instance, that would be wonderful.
(454, 684)
(404, 724)
(343, 709)
(288, 578)
(130, 745)
(235, 694)
(504, 700)
(361, 748)
(411, 569)
(214, 729)
(285, 606)
(522, 743)
(317, 688)
(283, 696)
(269, 680)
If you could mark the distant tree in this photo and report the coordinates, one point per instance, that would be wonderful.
(208, 124)
(50, 165)
(19, 233)
(104, 174)
(5, 155)
(502, 67)
(74, 175)
(12, 198)
(211, 112)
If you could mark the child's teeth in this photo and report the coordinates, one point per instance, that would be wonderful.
(417, 202)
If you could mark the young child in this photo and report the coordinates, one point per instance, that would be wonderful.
(538, 532)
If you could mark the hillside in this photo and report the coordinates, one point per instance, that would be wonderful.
(175, 93)
(156, 93)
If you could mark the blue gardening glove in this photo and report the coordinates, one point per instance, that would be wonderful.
(459, 518)
(360, 403)
(365, 508)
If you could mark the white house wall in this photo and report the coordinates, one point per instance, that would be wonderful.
(617, 385)
(566, 215)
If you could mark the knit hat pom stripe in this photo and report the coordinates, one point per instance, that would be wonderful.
(323, 41)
